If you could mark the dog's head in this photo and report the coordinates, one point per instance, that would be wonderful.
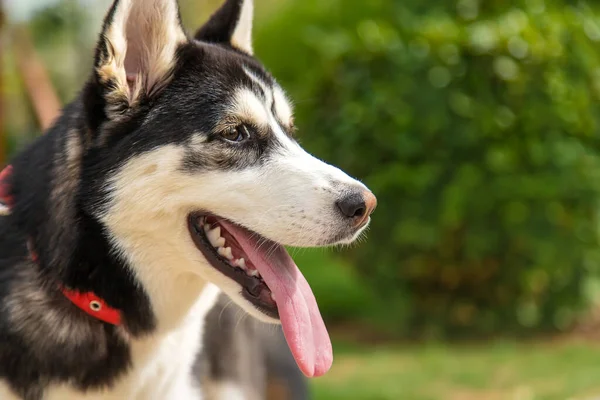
(193, 168)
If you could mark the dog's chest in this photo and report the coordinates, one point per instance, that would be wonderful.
(161, 365)
(161, 374)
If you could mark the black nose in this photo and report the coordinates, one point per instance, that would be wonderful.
(357, 205)
(352, 205)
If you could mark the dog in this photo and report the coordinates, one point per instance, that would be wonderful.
(173, 177)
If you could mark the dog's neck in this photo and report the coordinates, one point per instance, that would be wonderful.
(73, 249)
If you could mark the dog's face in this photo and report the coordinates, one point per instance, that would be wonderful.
(209, 179)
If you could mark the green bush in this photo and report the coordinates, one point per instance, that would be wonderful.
(476, 125)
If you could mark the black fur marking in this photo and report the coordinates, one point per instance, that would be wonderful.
(221, 25)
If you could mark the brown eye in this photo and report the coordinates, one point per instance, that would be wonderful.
(236, 134)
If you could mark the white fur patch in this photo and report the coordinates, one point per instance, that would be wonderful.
(242, 34)
(283, 109)
(153, 237)
(6, 393)
(276, 96)
(249, 108)
(225, 391)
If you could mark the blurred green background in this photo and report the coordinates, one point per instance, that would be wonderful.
(476, 123)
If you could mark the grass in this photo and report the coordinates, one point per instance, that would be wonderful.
(565, 369)
(494, 371)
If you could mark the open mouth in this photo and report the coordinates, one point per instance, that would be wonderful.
(269, 280)
(224, 253)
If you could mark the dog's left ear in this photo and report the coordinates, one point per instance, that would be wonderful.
(137, 50)
(230, 25)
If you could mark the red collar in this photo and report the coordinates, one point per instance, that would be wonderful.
(5, 199)
(93, 305)
(86, 301)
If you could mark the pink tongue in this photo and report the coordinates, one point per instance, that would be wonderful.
(302, 323)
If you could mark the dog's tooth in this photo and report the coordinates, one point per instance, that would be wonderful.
(214, 242)
(220, 242)
(273, 297)
(225, 252)
(216, 232)
(239, 263)
(253, 272)
(214, 235)
(206, 228)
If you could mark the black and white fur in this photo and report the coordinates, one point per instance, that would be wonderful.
(105, 194)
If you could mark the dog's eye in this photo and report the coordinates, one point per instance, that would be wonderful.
(236, 134)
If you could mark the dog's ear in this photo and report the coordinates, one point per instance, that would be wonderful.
(137, 50)
(230, 25)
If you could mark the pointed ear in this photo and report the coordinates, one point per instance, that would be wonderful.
(231, 25)
(137, 49)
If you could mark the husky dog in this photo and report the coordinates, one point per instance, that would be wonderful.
(173, 176)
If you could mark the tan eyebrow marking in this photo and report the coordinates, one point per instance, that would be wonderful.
(245, 107)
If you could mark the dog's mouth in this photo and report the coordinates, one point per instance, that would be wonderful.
(224, 253)
(270, 281)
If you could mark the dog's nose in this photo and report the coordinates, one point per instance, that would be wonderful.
(357, 205)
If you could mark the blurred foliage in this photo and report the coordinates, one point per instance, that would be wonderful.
(64, 40)
(64, 35)
(476, 125)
